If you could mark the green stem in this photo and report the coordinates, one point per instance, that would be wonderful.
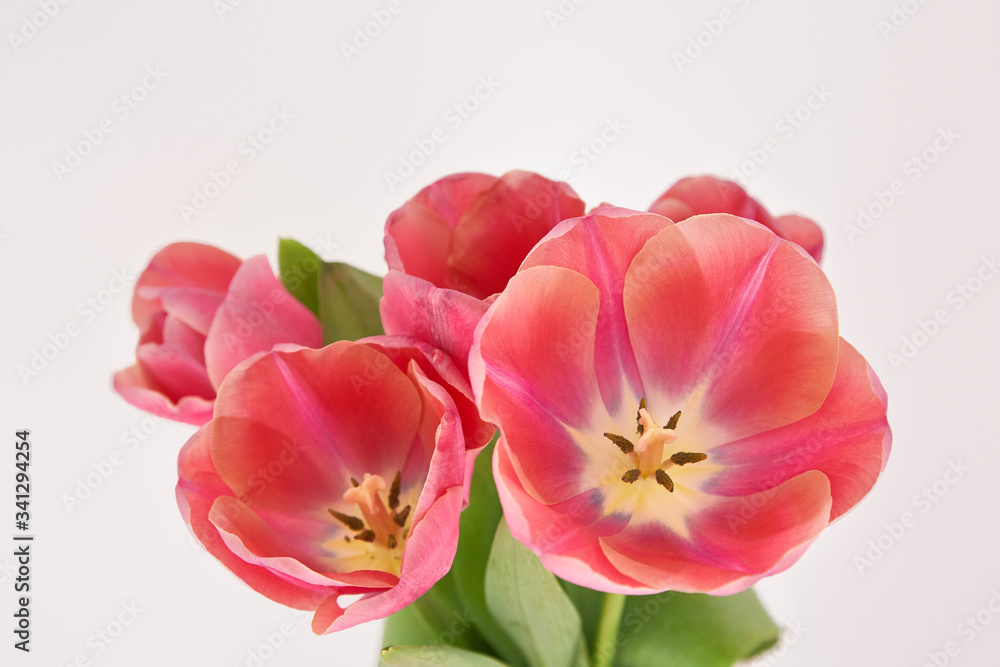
(606, 641)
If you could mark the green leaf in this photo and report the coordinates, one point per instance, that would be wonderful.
(437, 617)
(434, 656)
(348, 303)
(475, 538)
(530, 605)
(689, 630)
(299, 269)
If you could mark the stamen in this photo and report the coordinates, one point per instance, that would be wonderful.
(672, 424)
(638, 416)
(663, 479)
(394, 492)
(366, 536)
(391, 541)
(683, 458)
(623, 443)
(352, 522)
(355, 482)
(400, 517)
(631, 475)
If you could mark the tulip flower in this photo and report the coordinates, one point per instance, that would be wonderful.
(333, 472)
(676, 407)
(456, 244)
(201, 312)
(706, 194)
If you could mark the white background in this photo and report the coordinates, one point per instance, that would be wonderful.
(322, 181)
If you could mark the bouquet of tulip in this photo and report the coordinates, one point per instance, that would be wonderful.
(545, 438)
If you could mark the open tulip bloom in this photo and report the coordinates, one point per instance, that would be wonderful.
(673, 410)
(677, 409)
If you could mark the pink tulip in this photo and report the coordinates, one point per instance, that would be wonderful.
(707, 194)
(332, 472)
(456, 244)
(201, 312)
(677, 409)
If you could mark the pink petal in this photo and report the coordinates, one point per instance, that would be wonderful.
(188, 265)
(532, 368)
(847, 439)
(564, 535)
(172, 372)
(197, 489)
(180, 336)
(194, 306)
(133, 384)
(501, 225)
(319, 405)
(708, 194)
(801, 230)
(257, 313)
(721, 305)
(602, 246)
(735, 537)
(443, 318)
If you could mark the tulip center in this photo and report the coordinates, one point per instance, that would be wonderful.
(649, 454)
(382, 524)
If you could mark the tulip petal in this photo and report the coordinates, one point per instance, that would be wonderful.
(741, 321)
(501, 225)
(318, 404)
(734, 537)
(564, 535)
(602, 246)
(444, 318)
(708, 194)
(181, 265)
(801, 230)
(532, 368)
(257, 313)
(847, 439)
(133, 384)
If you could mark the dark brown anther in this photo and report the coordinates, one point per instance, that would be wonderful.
(663, 479)
(638, 426)
(684, 458)
(391, 541)
(672, 424)
(347, 539)
(366, 536)
(394, 492)
(631, 475)
(401, 515)
(352, 522)
(355, 482)
(623, 443)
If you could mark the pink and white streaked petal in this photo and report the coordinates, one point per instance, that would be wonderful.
(740, 317)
